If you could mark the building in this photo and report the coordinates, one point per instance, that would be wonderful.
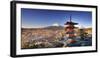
(69, 29)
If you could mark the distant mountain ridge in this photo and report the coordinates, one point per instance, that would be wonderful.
(54, 27)
(48, 27)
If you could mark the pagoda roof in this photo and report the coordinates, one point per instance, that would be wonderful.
(72, 23)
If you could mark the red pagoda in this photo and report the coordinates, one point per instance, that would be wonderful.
(70, 28)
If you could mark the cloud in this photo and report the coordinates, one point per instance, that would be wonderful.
(83, 26)
(55, 24)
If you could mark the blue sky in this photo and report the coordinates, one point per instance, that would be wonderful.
(36, 18)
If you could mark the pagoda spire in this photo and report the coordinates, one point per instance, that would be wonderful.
(70, 19)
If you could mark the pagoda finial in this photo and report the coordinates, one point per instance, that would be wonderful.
(70, 18)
